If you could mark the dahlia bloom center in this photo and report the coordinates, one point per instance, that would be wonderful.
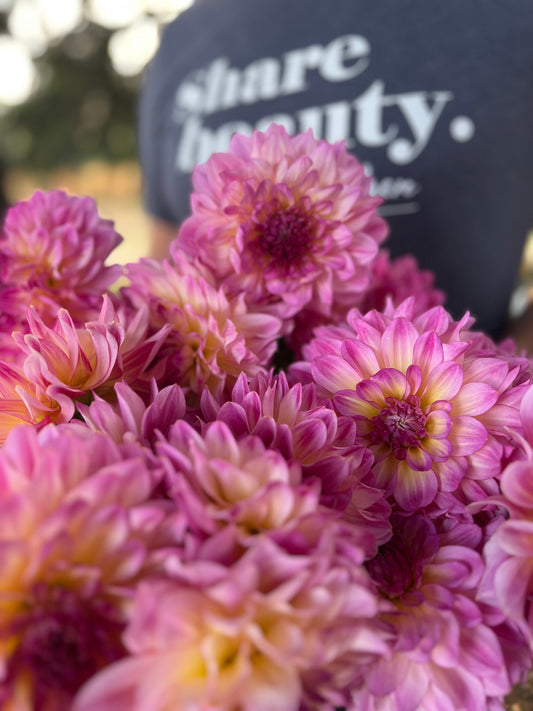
(401, 424)
(283, 235)
(63, 640)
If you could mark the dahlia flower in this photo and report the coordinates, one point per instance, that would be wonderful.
(508, 582)
(289, 420)
(211, 338)
(66, 362)
(219, 481)
(423, 408)
(61, 364)
(130, 419)
(393, 280)
(251, 636)
(74, 532)
(22, 402)
(53, 254)
(398, 279)
(288, 221)
(445, 653)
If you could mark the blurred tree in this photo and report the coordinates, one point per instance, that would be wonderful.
(82, 109)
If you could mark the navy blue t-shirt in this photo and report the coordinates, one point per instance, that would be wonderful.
(435, 98)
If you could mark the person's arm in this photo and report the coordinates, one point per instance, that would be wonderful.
(161, 234)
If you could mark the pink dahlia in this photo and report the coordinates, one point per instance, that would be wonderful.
(21, 402)
(446, 651)
(290, 420)
(423, 409)
(61, 364)
(128, 418)
(272, 632)
(219, 480)
(65, 362)
(288, 221)
(392, 280)
(53, 252)
(75, 534)
(509, 553)
(211, 338)
(398, 279)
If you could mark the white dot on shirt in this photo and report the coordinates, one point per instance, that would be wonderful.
(462, 129)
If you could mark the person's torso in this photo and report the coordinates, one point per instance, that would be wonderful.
(434, 98)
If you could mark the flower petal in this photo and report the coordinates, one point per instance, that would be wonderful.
(398, 342)
(467, 435)
(444, 382)
(360, 356)
(414, 489)
(333, 373)
(474, 399)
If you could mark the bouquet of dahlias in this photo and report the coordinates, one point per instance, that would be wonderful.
(270, 473)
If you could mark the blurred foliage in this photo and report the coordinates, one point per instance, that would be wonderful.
(82, 109)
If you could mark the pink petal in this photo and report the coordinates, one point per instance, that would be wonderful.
(361, 402)
(392, 382)
(234, 416)
(334, 373)
(414, 489)
(513, 585)
(414, 378)
(360, 356)
(114, 688)
(474, 399)
(427, 352)
(517, 483)
(383, 473)
(445, 381)
(439, 449)
(438, 424)
(526, 414)
(309, 437)
(418, 459)
(516, 538)
(486, 462)
(412, 688)
(398, 342)
(457, 689)
(501, 415)
(467, 435)
(450, 472)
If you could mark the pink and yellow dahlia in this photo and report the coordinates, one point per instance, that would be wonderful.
(21, 402)
(447, 650)
(211, 338)
(508, 582)
(430, 416)
(73, 547)
(290, 420)
(53, 255)
(66, 362)
(288, 221)
(62, 364)
(219, 480)
(272, 632)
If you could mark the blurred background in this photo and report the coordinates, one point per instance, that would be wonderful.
(70, 74)
(71, 71)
